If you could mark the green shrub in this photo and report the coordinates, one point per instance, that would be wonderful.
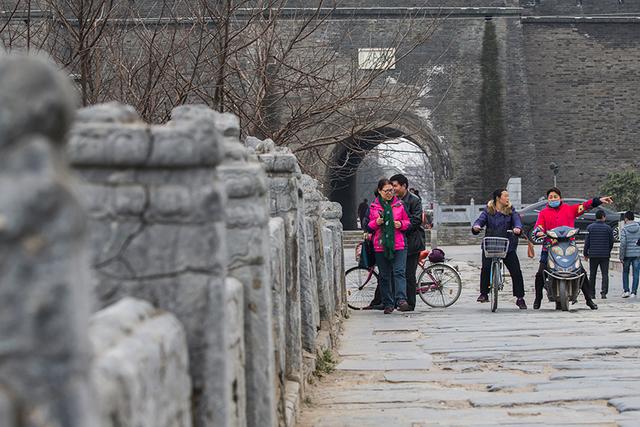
(624, 187)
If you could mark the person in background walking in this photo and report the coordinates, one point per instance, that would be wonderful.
(362, 212)
(597, 249)
(414, 235)
(499, 217)
(389, 220)
(630, 253)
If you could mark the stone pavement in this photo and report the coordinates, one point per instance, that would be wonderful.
(466, 366)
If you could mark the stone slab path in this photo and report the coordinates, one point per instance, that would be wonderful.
(466, 366)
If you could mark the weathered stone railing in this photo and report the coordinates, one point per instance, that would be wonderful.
(216, 266)
(44, 298)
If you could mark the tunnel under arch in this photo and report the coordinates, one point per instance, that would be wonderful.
(348, 154)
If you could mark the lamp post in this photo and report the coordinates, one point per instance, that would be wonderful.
(555, 168)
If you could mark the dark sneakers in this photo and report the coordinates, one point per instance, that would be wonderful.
(592, 305)
(388, 310)
(536, 304)
(521, 304)
(483, 298)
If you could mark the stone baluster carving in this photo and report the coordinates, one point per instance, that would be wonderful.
(157, 228)
(332, 213)
(313, 206)
(283, 175)
(140, 366)
(309, 305)
(248, 258)
(44, 274)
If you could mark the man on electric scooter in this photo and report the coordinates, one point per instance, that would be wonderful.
(557, 214)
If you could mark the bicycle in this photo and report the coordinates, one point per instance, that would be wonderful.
(439, 285)
(495, 248)
(359, 295)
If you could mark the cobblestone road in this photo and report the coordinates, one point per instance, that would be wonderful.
(466, 366)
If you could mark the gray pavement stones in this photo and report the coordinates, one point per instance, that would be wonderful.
(466, 366)
(624, 404)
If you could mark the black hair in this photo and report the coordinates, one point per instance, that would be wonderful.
(554, 190)
(629, 215)
(382, 183)
(497, 194)
(400, 179)
(600, 214)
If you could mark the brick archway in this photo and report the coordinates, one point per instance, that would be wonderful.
(349, 153)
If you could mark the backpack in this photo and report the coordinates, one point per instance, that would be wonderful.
(436, 255)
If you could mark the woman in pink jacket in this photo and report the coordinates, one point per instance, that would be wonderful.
(388, 220)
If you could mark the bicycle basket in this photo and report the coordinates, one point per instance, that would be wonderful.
(495, 247)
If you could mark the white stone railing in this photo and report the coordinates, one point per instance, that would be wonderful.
(216, 266)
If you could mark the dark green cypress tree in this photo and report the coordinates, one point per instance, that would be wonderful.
(492, 133)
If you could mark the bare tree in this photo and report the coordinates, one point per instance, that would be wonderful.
(280, 70)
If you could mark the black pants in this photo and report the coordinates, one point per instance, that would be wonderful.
(585, 287)
(513, 265)
(594, 263)
(412, 266)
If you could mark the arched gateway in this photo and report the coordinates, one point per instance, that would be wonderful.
(349, 153)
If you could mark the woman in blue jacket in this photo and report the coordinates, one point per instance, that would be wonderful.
(499, 217)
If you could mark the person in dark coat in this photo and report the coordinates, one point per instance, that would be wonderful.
(597, 249)
(363, 214)
(499, 217)
(414, 234)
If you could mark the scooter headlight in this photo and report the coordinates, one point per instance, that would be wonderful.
(550, 263)
(572, 232)
(552, 234)
(557, 250)
(570, 251)
(577, 264)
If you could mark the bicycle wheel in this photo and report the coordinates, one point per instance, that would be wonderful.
(439, 285)
(361, 287)
(496, 279)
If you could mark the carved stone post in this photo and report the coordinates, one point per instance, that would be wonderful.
(309, 302)
(157, 227)
(44, 274)
(331, 213)
(247, 221)
(313, 207)
(283, 175)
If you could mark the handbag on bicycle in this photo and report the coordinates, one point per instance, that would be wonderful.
(367, 258)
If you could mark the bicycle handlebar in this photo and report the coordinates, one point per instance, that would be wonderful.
(482, 228)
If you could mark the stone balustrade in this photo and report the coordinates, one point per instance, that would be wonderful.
(214, 267)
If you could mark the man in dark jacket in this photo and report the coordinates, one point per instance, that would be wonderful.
(597, 249)
(363, 213)
(414, 234)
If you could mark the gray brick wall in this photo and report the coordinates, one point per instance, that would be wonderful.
(573, 7)
(583, 81)
(405, 3)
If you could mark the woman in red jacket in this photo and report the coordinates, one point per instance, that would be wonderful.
(557, 214)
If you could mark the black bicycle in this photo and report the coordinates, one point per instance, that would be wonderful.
(495, 248)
